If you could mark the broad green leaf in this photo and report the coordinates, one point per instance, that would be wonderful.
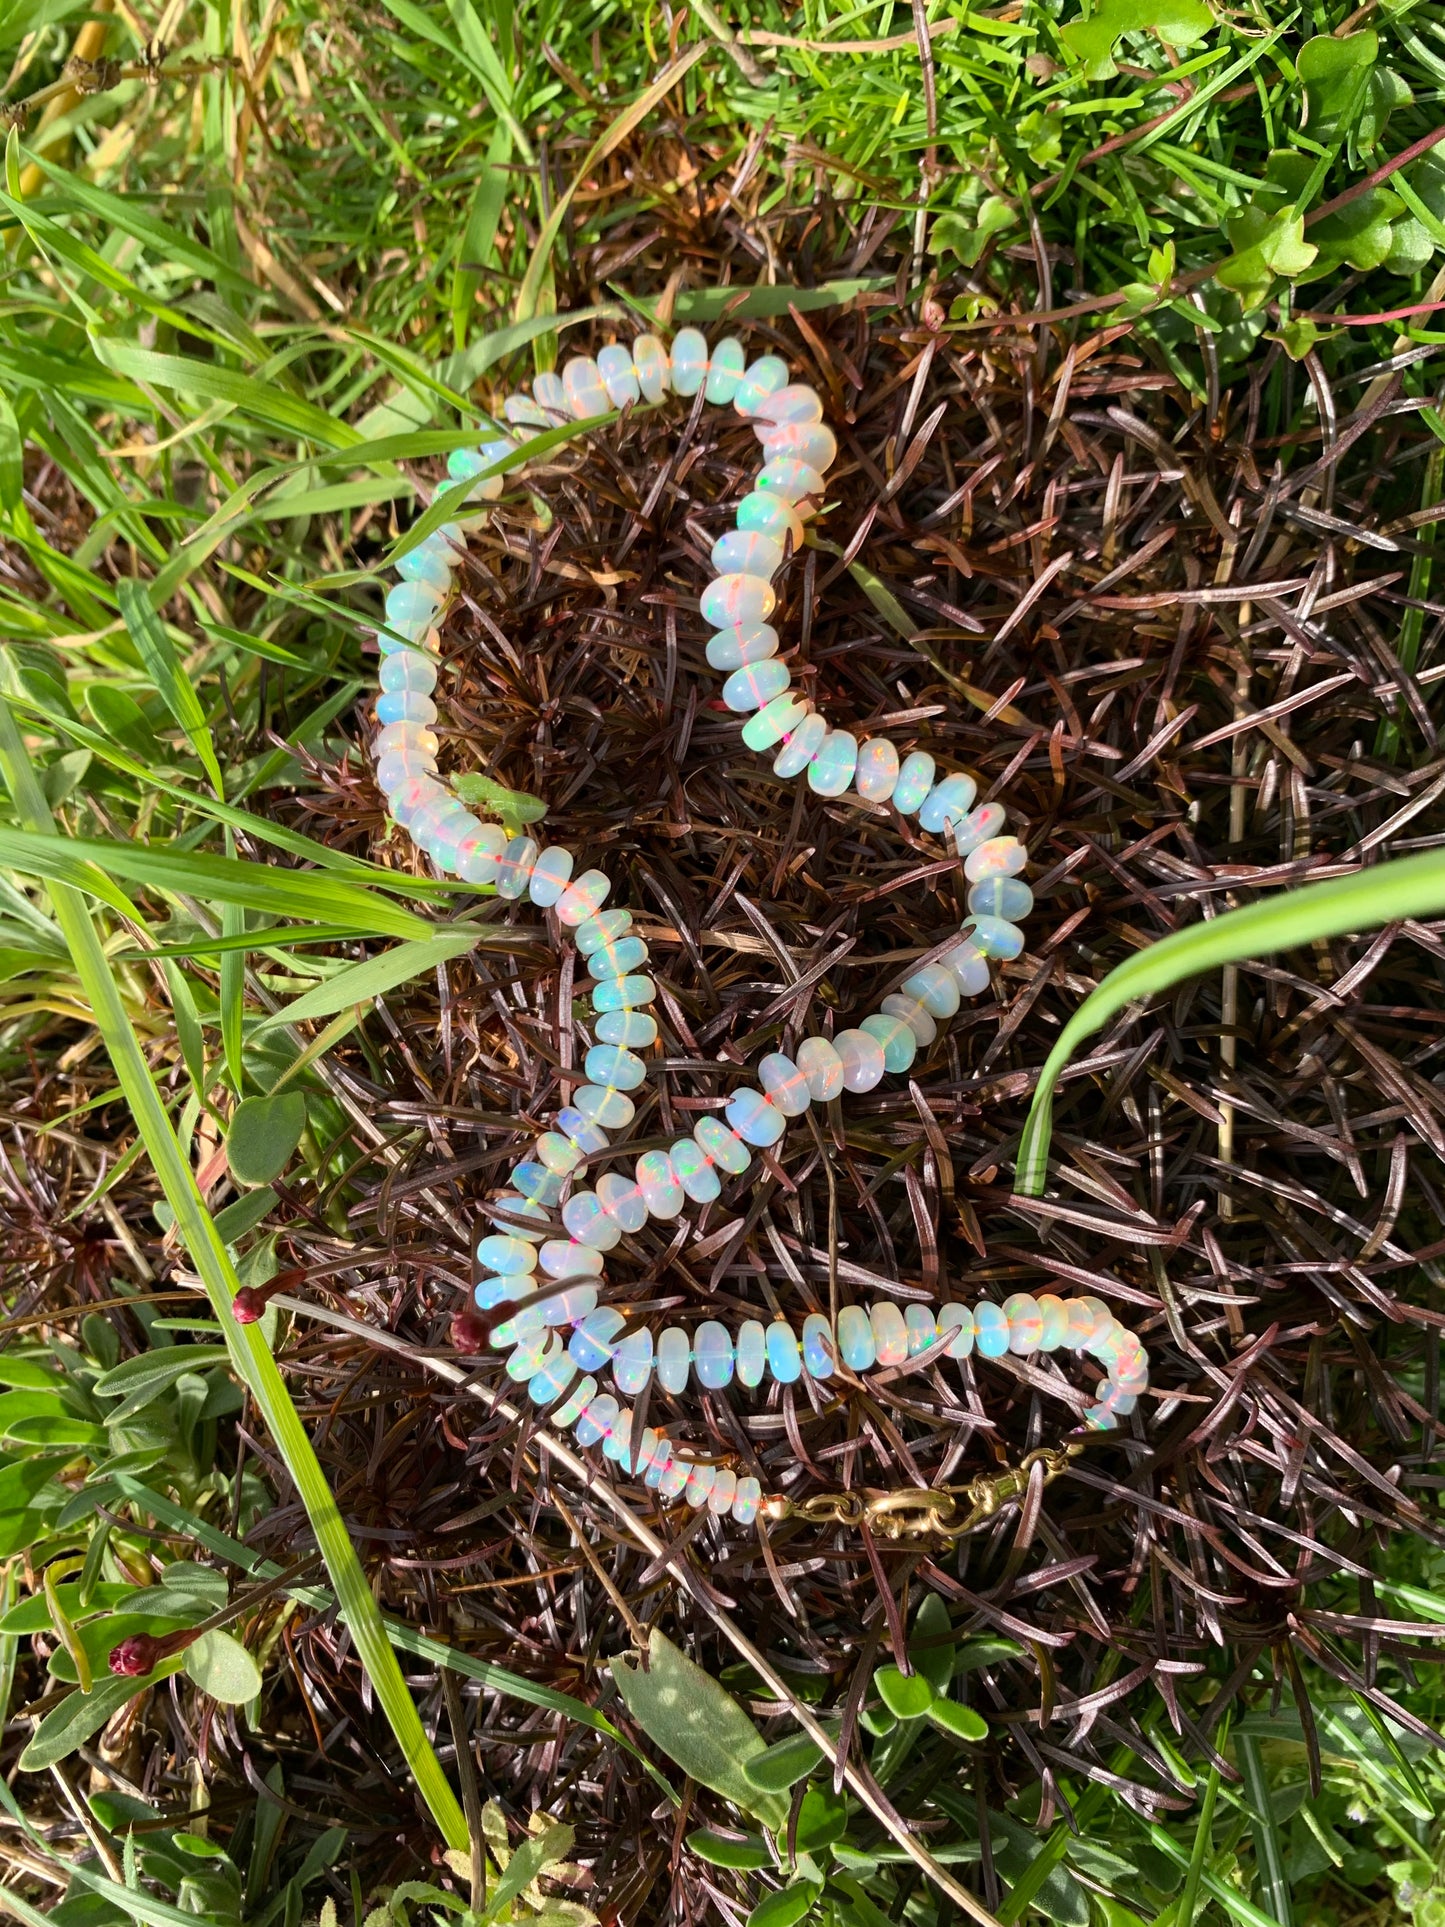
(748, 1854)
(968, 237)
(12, 456)
(1334, 72)
(784, 1908)
(1178, 23)
(235, 1220)
(1265, 246)
(360, 983)
(139, 1381)
(263, 1136)
(767, 303)
(822, 1819)
(697, 1724)
(221, 1666)
(907, 1696)
(783, 1765)
(931, 1649)
(79, 1715)
(28, 1374)
(511, 806)
(961, 1721)
(123, 719)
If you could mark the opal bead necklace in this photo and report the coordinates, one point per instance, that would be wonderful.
(559, 1336)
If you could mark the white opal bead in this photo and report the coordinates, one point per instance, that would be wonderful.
(764, 514)
(515, 869)
(409, 669)
(622, 1200)
(653, 365)
(405, 736)
(745, 552)
(567, 1258)
(862, 1059)
(1000, 856)
(801, 746)
(585, 388)
(522, 411)
(948, 802)
(918, 1019)
(674, 1480)
(601, 931)
(658, 1184)
(694, 1171)
(738, 601)
(632, 1362)
(764, 377)
(771, 724)
(808, 442)
(831, 770)
(900, 1046)
(689, 361)
(725, 370)
(736, 648)
(399, 767)
(996, 936)
(414, 794)
(588, 1223)
(479, 856)
(759, 683)
(978, 827)
(877, 769)
(549, 876)
(722, 1146)
(745, 1505)
(674, 1359)
(935, 988)
(619, 376)
(584, 898)
(915, 780)
(968, 966)
(785, 1084)
(1006, 897)
(823, 1068)
(795, 403)
(548, 391)
(796, 482)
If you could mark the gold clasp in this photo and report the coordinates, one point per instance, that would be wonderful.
(921, 1512)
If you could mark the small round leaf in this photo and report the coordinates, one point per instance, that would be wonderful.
(716, 1848)
(783, 1765)
(264, 1132)
(962, 1721)
(907, 1696)
(784, 1909)
(222, 1667)
(822, 1819)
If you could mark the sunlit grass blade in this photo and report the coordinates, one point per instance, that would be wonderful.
(250, 1356)
(1412, 887)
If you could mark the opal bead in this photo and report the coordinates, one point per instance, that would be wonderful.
(823, 1068)
(745, 1504)
(1055, 1315)
(645, 1452)
(968, 966)
(674, 1478)
(1025, 1322)
(957, 1321)
(724, 1491)
(658, 1184)
(754, 1119)
(674, 1359)
(412, 603)
(552, 1379)
(613, 1110)
(595, 932)
(1000, 856)
(575, 1403)
(913, 1013)
(1113, 1398)
(785, 1084)
(915, 781)
(770, 725)
(725, 370)
(549, 876)
(404, 736)
(808, 442)
(568, 1305)
(736, 648)
(588, 1223)
(1008, 898)
(862, 1059)
(632, 1362)
(797, 402)
(526, 1361)
(935, 988)
(897, 1041)
(797, 482)
(417, 637)
(890, 1333)
(757, 684)
(566, 1258)
(481, 860)
(738, 601)
(699, 1486)
(515, 868)
(818, 1346)
(623, 993)
(619, 376)
(784, 1359)
(721, 1146)
(598, 1420)
(616, 959)
(980, 826)
(991, 1333)
(764, 377)
(581, 1130)
(622, 1070)
(522, 411)
(506, 1207)
(465, 463)
(766, 514)
(744, 552)
(831, 770)
(621, 1198)
(801, 746)
(752, 1353)
(996, 936)
(1099, 1418)
(547, 389)
(693, 1171)
(583, 898)
(422, 564)
(413, 794)
(689, 361)
(585, 388)
(712, 1354)
(633, 1029)
(506, 1255)
(536, 1183)
(947, 802)
(878, 767)
(856, 1344)
(922, 1329)
(653, 365)
(661, 1460)
(591, 1342)
(488, 1293)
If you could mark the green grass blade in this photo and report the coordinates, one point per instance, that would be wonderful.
(250, 1357)
(1269, 1849)
(1412, 887)
(360, 982)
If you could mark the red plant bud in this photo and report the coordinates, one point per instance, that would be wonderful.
(469, 1332)
(251, 1300)
(135, 1657)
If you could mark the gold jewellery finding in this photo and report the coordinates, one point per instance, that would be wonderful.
(927, 1512)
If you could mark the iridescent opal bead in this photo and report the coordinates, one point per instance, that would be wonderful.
(915, 781)
(753, 1118)
(661, 1460)
(722, 1146)
(595, 933)
(796, 402)
(784, 1359)
(619, 376)
(725, 369)
(797, 482)
(699, 1486)
(1007, 898)
(612, 1110)
(922, 1329)
(1000, 856)
(801, 746)
(591, 1344)
(506, 1208)
(585, 388)
(862, 1059)
(623, 993)
(1113, 1398)
(527, 1360)
(412, 794)
(996, 936)
(488, 1293)
(674, 1479)
(1025, 1322)
(645, 1452)
(621, 1198)
(818, 1346)
(621, 1070)
(823, 1068)
(736, 648)
(724, 1491)
(482, 861)
(617, 958)
(633, 1029)
(890, 1333)
(523, 412)
(674, 1360)
(1055, 1315)
(763, 377)
(785, 1084)
(567, 1304)
(515, 869)
(658, 1184)
(856, 1345)
(957, 1321)
(877, 773)
(752, 1353)
(575, 1403)
(558, 1153)
(980, 826)
(549, 393)
(712, 1355)
(583, 898)
(744, 552)
(588, 1223)
(766, 514)
(550, 874)
(831, 770)
(537, 1183)
(505, 1255)
(404, 736)
(632, 1362)
(935, 988)
(918, 1020)
(412, 605)
(947, 802)
(738, 601)
(968, 966)
(898, 1044)
(653, 365)
(1099, 1418)
(770, 725)
(808, 442)
(990, 1329)
(422, 564)
(757, 684)
(689, 361)
(693, 1171)
(551, 1379)
(745, 1504)
(598, 1420)
(566, 1258)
